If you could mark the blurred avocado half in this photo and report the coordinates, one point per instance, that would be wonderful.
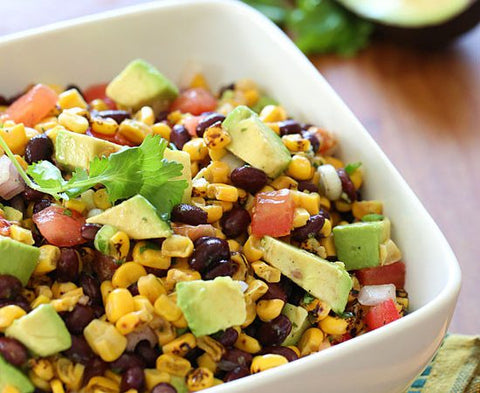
(426, 23)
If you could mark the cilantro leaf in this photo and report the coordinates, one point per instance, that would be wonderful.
(350, 168)
(46, 175)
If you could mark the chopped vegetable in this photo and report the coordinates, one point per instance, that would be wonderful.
(382, 314)
(388, 274)
(273, 213)
(371, 295)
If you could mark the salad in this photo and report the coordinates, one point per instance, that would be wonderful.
(157, 240)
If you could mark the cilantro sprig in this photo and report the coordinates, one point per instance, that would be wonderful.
(135, 170)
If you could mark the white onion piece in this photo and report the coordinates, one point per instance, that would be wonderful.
(330, 183)
(371, 295)
(11, 183)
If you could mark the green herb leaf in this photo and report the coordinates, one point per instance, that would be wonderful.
(346, 315)
(307, 298)
(372, 217)
(350, 168)
(46, 175)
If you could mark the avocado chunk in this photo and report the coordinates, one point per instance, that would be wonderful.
(325, 280)
(298, 316)
(74, 150)
(137, 217)
(11, 376)
(254, 142)
(358, 244)
(183, 158)
(17, 259)
(140, 84)
(179, 384)
(42, 331)
(210, 306)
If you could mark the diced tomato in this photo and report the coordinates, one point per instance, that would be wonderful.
(61, 227)
(191, 124)
(116, 138)
(4, 227)
(33, 106)
(273, 213)
(381, 314)
(388, 274)
(95, 92)
(195, 101)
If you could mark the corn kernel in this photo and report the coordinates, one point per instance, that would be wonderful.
(300, 168)
(165, 331)
(199, 186)
(70, 99)
(335, 162)
(141, 303)
(206, 361)
(22, 235)
(106, 288)
(180, 323)
(103, 385)
(247, 343)
(179, 275)
(217, 154)
(127, 274)
(38, 382)
(256, 289)
(252, 250)
(233, 245)
(98, 105)
(60, 289)
(57, 386)
(105, 340)
(8, 314)
(129, 322)
(145, 115)
(42, 368)
(219, 172)
(150, 287)
(167, 309)
(265, 362)
(267, 272)
(310, 202)
(175, 117)
(134, 130)
(73, 122)
(362, 208)
(173, 365)
(181, 345)
(149, 254)
(10, 389)
(101, 199)
(199, 80)
(284, 182)
(216, 138)
(119, 303)
(222, 192)
(177, 246)
(196, 149)
(212, 347)
(296, 143)
(15, 137)
(269, 309)
(39, 300)
(251, 310)
(214, 213)
(300, 217)
(333, 325)
(199, 379)
(153, 377)
(163, 130)
(318, 309)
(104, 126)
(310, 341)
(273, 113)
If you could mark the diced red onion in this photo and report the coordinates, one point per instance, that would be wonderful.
(11, 183)
(371, 295)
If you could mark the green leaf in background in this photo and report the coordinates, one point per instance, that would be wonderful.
(276, 10)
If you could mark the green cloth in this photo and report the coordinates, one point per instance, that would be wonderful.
(454, 369)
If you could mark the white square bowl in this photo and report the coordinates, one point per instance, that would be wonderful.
(229, 41)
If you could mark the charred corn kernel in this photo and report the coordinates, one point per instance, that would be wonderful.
(256, 289)
(343, 206)
(28, 294)
(106, 288)
(212, 347)
(219, 172)
(134, 130)
(389, 252)
(252, 250)
(214, 213)
(403, 301)
(179, 275)
(196, 149)
(222, 192)
(104, 126)
(177, 246)
(362, 208)
(105, 340)
(70, 374)
(38, 382)
(60, 289)
(310, 341)
(167, 309)
(333, 325)
(310, 202)
(216, 138)
(162, 129)
(98, 105)
(206, 361)
(327, 228)
(267, 272)
(269, 309)
(233, 245)
(357, 178)
(57, 386)
(42, 368)
(300, 168)
(199, 187)
(73, 122)
(150, 287)
(119, 303)
(68, 301)
(296, 143)
(173, 365)
(15, 137)
(318, 309)
(216, 154)
(10, 389)
(127, 274)
(300, 217)
(129, 322)
(181, 345)
(103, 385)
(284, 182)
(251, 311)
(8, 314)
(265, 362)
(273, 113)
(153, 377)
(165, 332)
(145, 115)
(247, 343)
(21, 235)
(199, 379)
(149, 254)
(70, 99)
(39, 300)
(101, 200)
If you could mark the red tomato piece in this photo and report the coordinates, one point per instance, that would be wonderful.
(381, 314)
(116, 138)
(61, 227)
(98, 91)
(195, 101)
(191, 124)
(33, 106)
(4, 227)
(273, 213)
(388, 274)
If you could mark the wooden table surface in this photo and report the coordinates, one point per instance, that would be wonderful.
(423, 108)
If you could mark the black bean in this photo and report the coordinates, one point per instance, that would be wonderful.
(324, 213)
(68, 265)
(13, 351)
(18, 300)
(236, 373)
(93, 368)
(91, 288)
(200, 240)
(296, 295)
(275, 331)
(104, 266)
(305, 185)
(133, 288)
(40, 205)
(98, 310)
(286, 352)
(289, 126)
(235, 222)
(147, 353)
(193, 354)
(161, 116)
(221, 268)
(249, 178)
(134, 378)
(32, 195)
(126, 361)
(208, 121)
(79, 318)
(233, 358)
(164, 387)
(10, 286)
(209, 251)
(115, 114)
(40, 147)
(228, 337)
(179, 136)
(347, 185)
(90, 230)
(311, 228)
(189, 214)
(275, 291)
(80, 351)
(314, 142)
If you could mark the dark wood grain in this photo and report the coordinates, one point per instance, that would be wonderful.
(421, 107)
